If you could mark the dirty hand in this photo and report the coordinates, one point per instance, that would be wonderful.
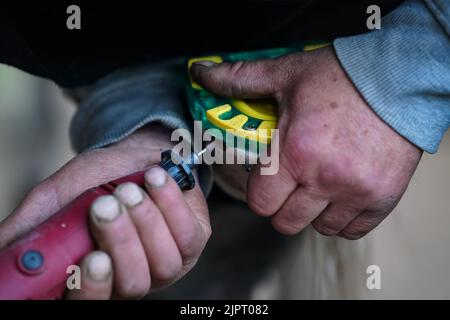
(146, 238)
(342, 169)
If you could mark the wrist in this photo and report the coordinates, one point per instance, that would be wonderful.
(153, 136)
(144, 145)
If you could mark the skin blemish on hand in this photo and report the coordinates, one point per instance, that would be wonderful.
(335, 138)
(334, 77)
(334, 105)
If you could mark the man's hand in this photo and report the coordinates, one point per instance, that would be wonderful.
(148, 238)
(341, 167)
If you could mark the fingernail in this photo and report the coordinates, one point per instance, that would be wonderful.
(99, 266)
(205, 63)
(106, 209)
(155, 177)
(129, 194)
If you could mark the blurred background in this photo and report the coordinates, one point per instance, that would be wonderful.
(411, 246)
(34, 142)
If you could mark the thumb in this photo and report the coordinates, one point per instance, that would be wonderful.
(76, 176)
(34, 209)
(243, 79)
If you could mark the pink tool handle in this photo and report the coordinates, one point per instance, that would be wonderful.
(35, 265)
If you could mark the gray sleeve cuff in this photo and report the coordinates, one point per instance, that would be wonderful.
(403, 70)
(127, 100)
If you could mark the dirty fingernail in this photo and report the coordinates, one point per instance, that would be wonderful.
(106, 208)
(129, 194)
(155, 177)
(99, 266)
(205, 63)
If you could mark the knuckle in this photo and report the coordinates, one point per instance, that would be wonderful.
(207, 231)
(146, 219)
(147, 213)
(239, 69)
(122, 240)
(257, 206)
(363, 225)
(352, 234)
(169, 195)
(189, 244)
(302, 149)
(282, 69)
(38, 190)
(344, 174)
(339, 172)
(237, 73)
(240, 72)
(367, 186)
(46, 191)
(167, 271)
(325, 228)
(258, 200)
(250, 72)
(287, 226)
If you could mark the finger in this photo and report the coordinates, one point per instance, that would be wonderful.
(160, 247)
(115, 234)
(196, 202)
(37, 206)
(187, 231)
(57, 191)
(302, 207)
(362, 224)
(266, 194)
(243, 79)
(334, 219)
(96, 278)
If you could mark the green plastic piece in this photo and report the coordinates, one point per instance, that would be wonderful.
(200, 101)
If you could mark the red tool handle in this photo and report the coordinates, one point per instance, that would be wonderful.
(34, 266)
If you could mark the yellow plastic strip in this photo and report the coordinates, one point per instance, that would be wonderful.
(259, 109)
(234, 125)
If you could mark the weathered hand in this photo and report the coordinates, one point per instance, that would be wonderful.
(341, 167)
(148, 239)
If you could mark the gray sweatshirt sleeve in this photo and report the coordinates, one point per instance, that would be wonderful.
(127, 100)
(403, 70)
